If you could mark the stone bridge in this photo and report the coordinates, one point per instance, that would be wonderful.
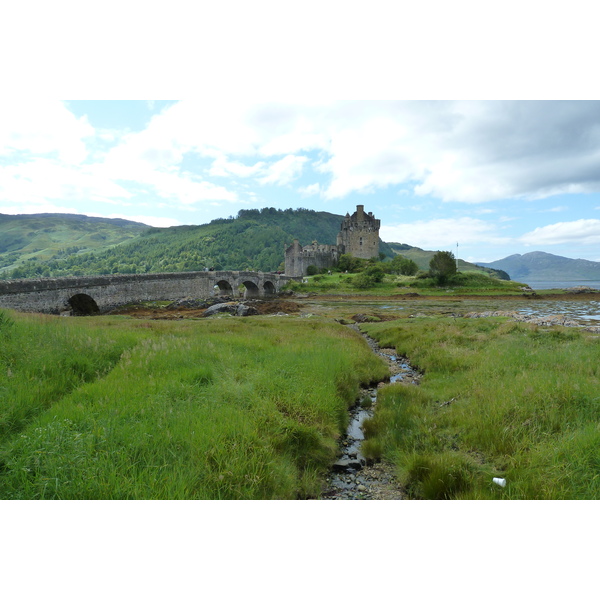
(97, 294)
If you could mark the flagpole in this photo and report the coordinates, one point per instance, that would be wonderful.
(457, 257)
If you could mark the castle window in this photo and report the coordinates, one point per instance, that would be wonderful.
(361, 241)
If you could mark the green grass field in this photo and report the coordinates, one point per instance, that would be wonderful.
(232, 408)
(497, 399)
(226, 408)
(472, 283)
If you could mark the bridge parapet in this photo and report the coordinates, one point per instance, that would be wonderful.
(54, 295)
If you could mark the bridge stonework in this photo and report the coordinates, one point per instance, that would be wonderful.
(105, 292)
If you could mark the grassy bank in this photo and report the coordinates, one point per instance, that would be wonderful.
(345, 283)
(115, 408)
(498, 399)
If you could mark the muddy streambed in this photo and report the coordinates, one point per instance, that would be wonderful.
(352, 477)
(581, 308)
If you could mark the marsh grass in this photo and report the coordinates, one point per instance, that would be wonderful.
(498, 399)
(114, 408)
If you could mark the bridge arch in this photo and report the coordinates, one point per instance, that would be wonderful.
(225, 288)
(252, 290)
(269, 289)
(83, 305)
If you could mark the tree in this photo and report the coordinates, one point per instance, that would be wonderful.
(349, 263)
(442, 266)
(404, 266)
(409, 267)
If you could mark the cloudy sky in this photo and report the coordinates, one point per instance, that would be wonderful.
(316, 105)
(494, 177)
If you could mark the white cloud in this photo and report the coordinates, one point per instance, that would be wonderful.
(185, 189)
(284, 171)
(280, 172)
(443, 233)
(313, 189)
(43, 180)
(583, 231)
(222, 167)
(43, 128)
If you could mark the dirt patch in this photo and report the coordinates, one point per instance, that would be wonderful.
(567, 295)
(264, 307)
(141, 312)
(271, 307)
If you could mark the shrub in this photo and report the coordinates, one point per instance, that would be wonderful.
(368, 278)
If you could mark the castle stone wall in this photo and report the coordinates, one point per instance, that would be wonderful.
(298, 258)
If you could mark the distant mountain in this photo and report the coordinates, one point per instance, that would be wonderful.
(542, 266)
(254, 240)
(46, 236)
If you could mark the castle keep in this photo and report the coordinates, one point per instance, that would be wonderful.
(358, 236)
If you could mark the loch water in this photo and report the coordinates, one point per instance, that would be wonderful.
(561, 285)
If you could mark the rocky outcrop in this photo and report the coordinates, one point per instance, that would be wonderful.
(233, 308)
(245, 311)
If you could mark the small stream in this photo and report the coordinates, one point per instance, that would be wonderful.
(352, 477)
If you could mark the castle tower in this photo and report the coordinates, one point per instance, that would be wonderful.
(359, 234)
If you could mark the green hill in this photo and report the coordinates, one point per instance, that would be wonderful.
(254, 240)
(423, 257)
(542, 266)
(39, 238)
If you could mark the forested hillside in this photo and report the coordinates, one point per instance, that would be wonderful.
(254, 240)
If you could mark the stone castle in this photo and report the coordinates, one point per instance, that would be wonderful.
(358, 236)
